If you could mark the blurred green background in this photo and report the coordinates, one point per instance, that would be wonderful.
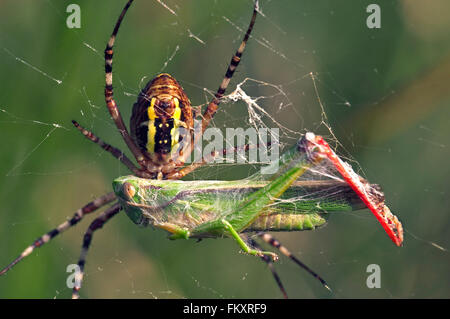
(385, 93)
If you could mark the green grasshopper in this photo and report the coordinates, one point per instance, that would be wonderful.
(200, 209)
(211, 209)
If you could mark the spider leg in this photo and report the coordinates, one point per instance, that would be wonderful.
(178, 174)
(111, 149)
(110, 102)
(95, 225)
(269, 263)
(214, 104)
(275, 243)
(87, 209)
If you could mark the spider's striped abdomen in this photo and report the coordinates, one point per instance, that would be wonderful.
(164, 119)
(161, 109)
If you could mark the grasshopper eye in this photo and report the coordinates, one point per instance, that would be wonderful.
(128, 190)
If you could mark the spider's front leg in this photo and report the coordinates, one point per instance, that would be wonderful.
(214, 104)
(109, 93)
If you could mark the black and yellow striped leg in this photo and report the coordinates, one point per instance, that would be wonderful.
(275, 243)
(87, 239)
(214, 104)
(110, 102)
(111, 149)
(269, 263)
(87, 209)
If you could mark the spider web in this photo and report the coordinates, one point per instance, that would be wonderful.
(309, 66)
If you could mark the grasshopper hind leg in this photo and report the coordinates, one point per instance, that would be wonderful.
(249, 250)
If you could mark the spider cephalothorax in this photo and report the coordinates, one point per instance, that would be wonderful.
(161, 110)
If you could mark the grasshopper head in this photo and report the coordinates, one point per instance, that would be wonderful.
(126, 188)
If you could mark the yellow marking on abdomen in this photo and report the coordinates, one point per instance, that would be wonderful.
(174, 132)
(152, 129)
(151, 132)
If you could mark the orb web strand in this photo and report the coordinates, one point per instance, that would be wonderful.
(80, 213)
